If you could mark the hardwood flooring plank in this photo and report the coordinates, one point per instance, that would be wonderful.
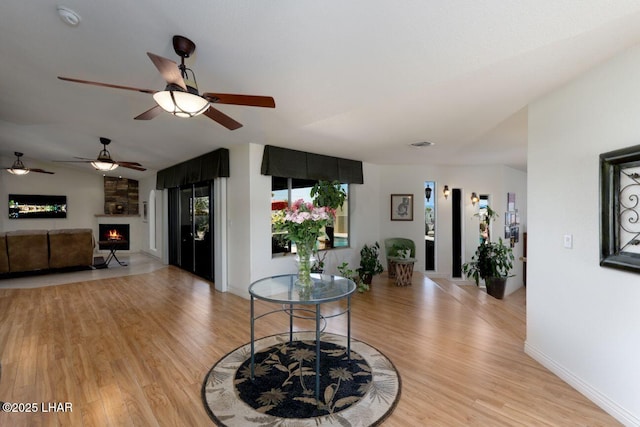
(134, 350)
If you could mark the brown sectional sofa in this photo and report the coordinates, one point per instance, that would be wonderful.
(33, 250)
(4, 256)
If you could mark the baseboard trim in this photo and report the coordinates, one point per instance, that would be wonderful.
(604, 402)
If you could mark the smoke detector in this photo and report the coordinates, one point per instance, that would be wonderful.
(69, 16)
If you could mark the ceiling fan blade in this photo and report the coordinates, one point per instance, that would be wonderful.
(168, 69)
(75, 161)
(129, 163)
(250, 100)
(222, 118)
(135, 89)
(150, 113)
(41, 171)
(135, 166)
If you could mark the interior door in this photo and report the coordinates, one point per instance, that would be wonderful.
(202, 239)
(191, 225)
(456, 232)
(186, 229)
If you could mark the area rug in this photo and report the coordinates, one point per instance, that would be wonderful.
(362, 391)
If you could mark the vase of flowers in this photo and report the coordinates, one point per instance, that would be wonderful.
(303, 222)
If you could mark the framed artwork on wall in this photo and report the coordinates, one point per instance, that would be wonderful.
(402, 207)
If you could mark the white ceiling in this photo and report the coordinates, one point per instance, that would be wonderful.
(358, 79)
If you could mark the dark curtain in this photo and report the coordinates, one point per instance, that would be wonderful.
(284, 162)
(200, 169)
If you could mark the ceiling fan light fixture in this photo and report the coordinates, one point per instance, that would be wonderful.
(17, 168)
(104, 166)
(180, 103)
(104, 162)
(18, 171)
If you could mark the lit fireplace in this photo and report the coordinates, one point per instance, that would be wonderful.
(114, 235)
(110, 233)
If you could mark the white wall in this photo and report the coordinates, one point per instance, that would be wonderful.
(145, 187)
(249, 221)
(582, 320)
(239, 213)
(85, 200)
(496, 181)
(249, 230)
(84, 191)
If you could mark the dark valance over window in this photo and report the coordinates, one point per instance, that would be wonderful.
(204, 168)
(288, 163)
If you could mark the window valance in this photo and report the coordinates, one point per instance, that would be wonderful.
(284, 162)
(203, 168)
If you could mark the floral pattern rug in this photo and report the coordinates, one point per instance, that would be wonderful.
(359, 392)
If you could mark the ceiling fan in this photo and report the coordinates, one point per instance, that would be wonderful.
(182, 99)
(104, 162)
(18, 168)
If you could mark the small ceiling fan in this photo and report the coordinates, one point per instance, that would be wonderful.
(18, 168)
(104, 162)
(183, 99)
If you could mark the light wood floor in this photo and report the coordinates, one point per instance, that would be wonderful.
(133, 351)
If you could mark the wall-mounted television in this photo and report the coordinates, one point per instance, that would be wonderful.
(22, 206)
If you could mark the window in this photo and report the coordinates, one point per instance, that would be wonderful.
(285, 191)
(619, 209)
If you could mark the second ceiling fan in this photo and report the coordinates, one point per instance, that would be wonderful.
(104, 162)
(182, 99)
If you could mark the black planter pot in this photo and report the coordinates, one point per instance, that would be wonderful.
(366, 278)
(330, 235)
(496, 286)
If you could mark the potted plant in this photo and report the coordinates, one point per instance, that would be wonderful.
(485, 222)
(329, 194)
(401, 250)
(347, 272)
(492, 263)
(317, 265)
(369, 263)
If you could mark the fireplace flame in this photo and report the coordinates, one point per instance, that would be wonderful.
(114, 235)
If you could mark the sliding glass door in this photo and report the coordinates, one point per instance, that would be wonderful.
(191, 225)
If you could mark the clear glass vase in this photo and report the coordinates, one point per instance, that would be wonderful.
(304, 264)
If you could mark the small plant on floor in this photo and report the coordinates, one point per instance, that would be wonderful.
(492, 263)
(369, 263)
(347, 272)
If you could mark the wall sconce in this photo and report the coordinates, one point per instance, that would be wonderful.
(427, 192)
(446, 191)
(474, 198)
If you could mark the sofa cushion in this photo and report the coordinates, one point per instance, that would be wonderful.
(28, 250)
(71, 247)
(4, 258)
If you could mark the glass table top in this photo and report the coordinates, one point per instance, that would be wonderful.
(283, 289)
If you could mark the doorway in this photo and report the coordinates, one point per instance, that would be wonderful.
(430, 225)
(190, 229)
(456, 232)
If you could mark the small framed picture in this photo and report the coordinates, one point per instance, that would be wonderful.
(402, 207)
(144, 212)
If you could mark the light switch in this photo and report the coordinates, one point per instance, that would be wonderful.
(568, 241)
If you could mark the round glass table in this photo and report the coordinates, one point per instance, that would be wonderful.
(283, 290)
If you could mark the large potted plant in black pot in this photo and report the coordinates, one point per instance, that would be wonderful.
(329, 194)
(492, 263)
(369, 262)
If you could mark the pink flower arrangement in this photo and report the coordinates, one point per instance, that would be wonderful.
(303, 221)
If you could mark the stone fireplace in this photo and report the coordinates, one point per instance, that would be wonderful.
(107, 233)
